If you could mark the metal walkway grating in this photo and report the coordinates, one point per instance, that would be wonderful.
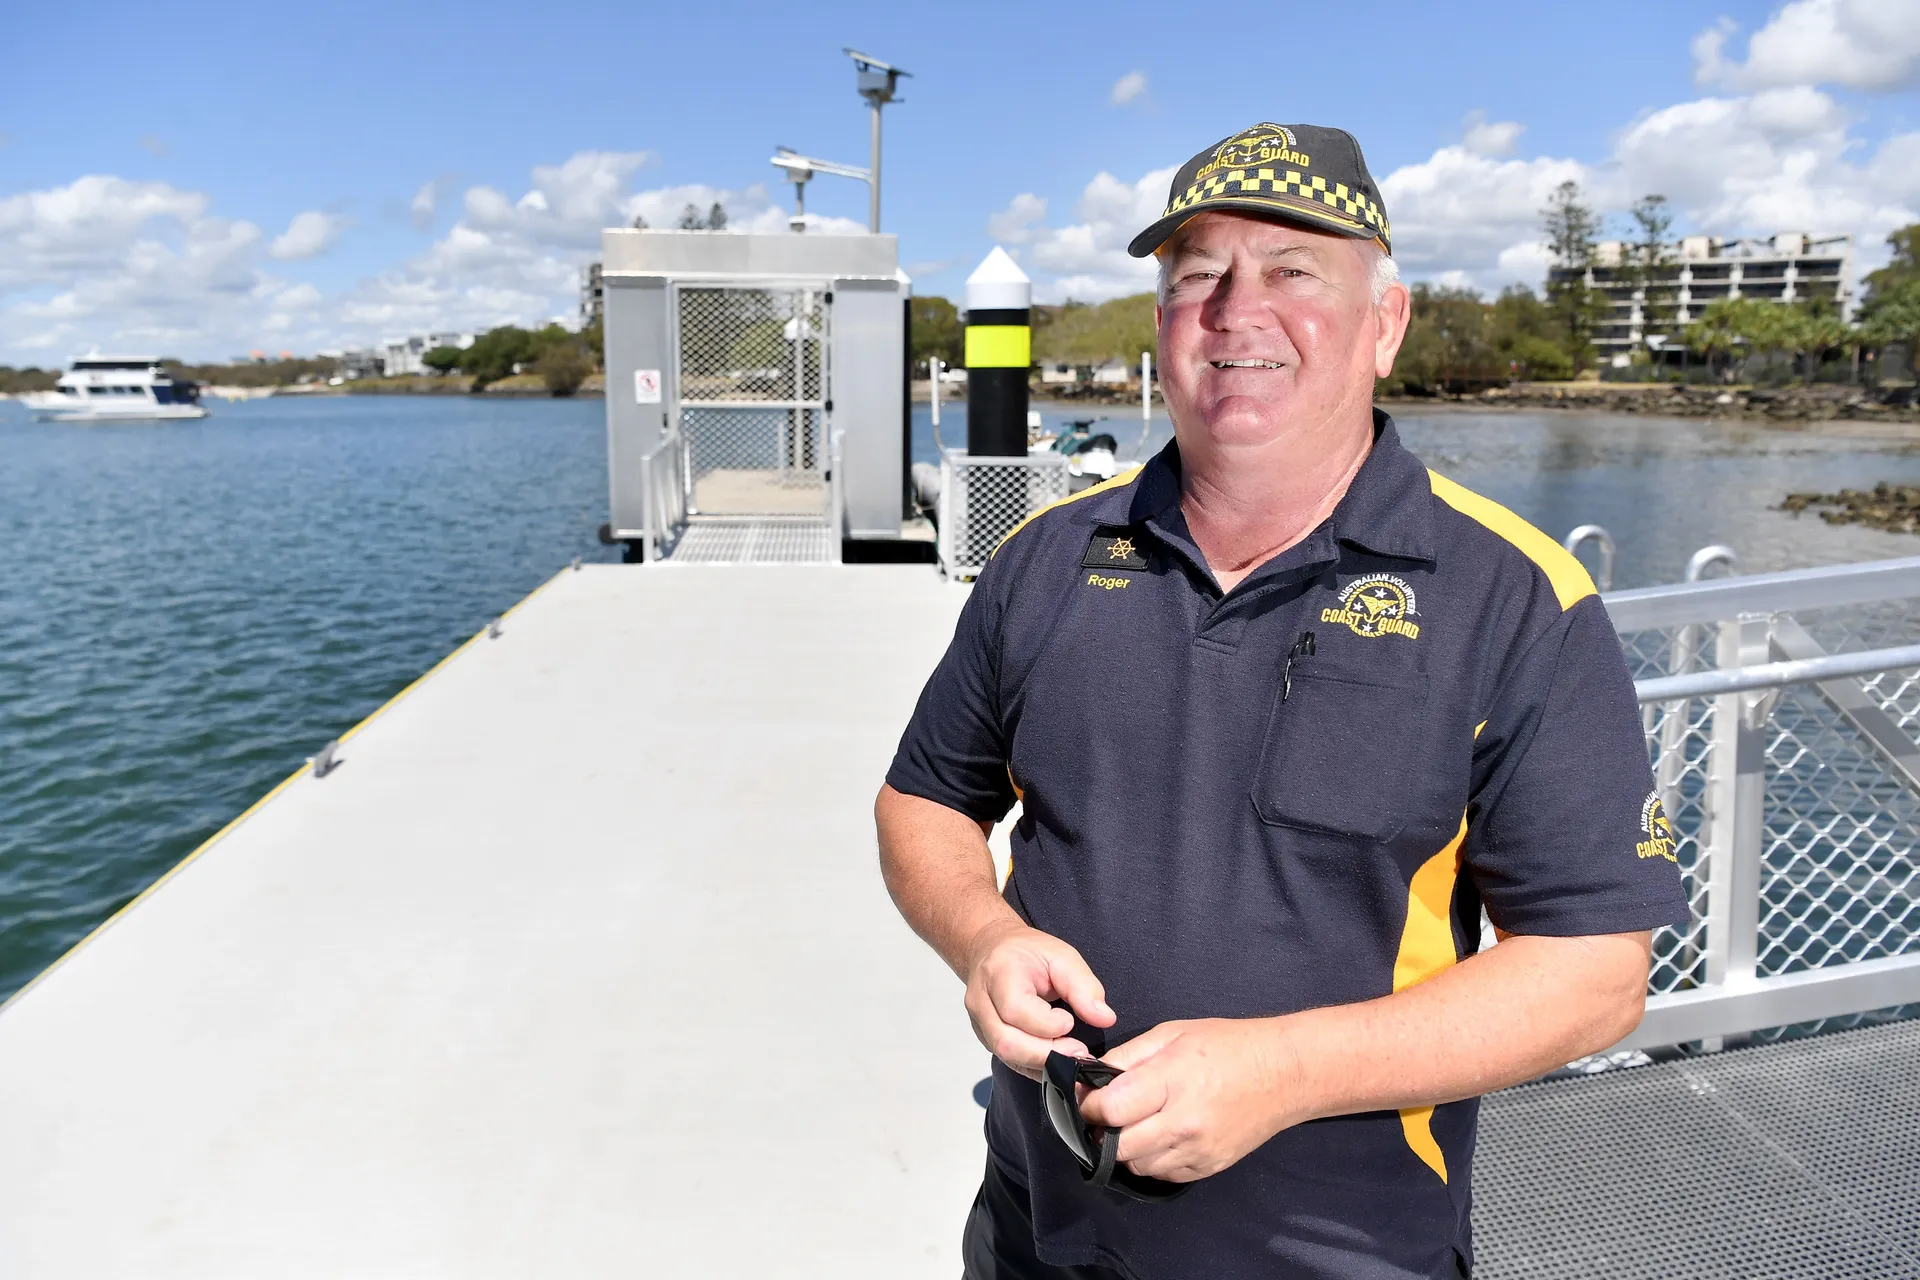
(1799, 1159)
(756, 542)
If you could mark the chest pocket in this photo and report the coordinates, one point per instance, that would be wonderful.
(1345, 757)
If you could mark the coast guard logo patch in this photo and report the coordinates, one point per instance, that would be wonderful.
(1379, 604)
(1656, 832)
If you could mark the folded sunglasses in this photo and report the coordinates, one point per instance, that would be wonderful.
(1096, 1151)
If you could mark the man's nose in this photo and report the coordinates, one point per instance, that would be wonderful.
(1238, 302)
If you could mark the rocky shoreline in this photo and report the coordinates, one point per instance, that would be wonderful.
(1821, 402)
(1894, 508)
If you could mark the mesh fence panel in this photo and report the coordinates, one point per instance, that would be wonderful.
(1840, 878)
(985, 498)
(755, 461)
(1680, 743)
(752, 344)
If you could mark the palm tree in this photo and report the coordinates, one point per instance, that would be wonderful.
(1714, 334)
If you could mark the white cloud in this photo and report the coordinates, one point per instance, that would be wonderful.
(1860, 44)
(1779, 159)
(1127, 88)
(1460, 210)
(1015, 224)
(309, 235)
(1087, 259)
(1497, 138)
(1470, 213)
(425, 204)
(107, 262)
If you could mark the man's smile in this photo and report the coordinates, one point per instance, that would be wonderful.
(1246, 364)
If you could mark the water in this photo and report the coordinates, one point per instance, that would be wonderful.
(188, 611)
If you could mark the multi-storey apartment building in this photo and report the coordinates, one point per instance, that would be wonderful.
(593, 295)
(1790, 267)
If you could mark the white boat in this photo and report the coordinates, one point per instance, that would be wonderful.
(116, 389)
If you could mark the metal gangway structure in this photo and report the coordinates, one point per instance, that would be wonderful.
(756, 396)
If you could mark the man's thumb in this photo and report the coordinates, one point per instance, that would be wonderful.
(1075, 983)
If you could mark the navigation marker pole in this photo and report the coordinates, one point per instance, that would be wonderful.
(999, 354)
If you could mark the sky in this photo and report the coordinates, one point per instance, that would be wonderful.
(205, 180)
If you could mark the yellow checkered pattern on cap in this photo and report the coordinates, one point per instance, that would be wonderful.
(1340, 204)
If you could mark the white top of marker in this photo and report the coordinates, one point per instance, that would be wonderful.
(998, 284)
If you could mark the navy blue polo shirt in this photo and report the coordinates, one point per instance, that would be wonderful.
(1229, 819)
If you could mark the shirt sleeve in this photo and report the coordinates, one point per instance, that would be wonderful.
(1569, 838)
(954, 750)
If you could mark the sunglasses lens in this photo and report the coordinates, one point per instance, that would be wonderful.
(1066, 1123)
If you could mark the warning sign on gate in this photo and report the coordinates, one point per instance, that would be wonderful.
(646, 386)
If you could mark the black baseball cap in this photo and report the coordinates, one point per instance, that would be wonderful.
(1300, 173)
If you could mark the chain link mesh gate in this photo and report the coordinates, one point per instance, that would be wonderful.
(752, 401)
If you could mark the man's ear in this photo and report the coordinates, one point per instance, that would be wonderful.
(1393, 312)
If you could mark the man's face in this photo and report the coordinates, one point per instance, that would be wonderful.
(1269, 330)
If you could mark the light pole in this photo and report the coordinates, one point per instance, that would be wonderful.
(877, 84)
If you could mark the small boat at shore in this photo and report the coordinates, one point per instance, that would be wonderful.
(117, 389)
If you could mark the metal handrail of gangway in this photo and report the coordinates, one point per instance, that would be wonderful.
(1790, 777)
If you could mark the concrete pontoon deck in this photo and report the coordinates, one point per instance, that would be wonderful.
(578, 964)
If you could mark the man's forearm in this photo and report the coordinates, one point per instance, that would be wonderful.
(1503, 1016)
(940, 873)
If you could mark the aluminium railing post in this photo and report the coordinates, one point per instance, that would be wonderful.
(1738, 795)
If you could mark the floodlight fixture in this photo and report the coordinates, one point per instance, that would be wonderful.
(800, 170)
(877, 82)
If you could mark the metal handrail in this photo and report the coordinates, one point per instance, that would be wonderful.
(1723, 599)
(1771, 675)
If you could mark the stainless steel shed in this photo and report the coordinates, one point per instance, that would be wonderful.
(757, 403)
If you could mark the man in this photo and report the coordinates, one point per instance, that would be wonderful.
(1284, 711)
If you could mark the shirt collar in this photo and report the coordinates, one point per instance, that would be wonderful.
(1387, 509)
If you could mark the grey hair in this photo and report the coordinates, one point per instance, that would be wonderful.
(1386, 273)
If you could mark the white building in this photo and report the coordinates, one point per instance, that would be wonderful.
(402, 356)
(1789, 267)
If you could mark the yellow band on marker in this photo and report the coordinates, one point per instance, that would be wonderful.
(999, 346)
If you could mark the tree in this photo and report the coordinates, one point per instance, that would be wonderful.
(1079, 334)
(443, 360)
(639, 223)
(1524, 333)
(1903, 269)
(1449, 343)
(1571, 227)
(1716, 333)
(495, 352)
(714, 219)
(1892, 316)
(594, 339)
(1651, 256)
(563, 367)
(937, 331)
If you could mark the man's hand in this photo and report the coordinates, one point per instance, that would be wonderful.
(1013, 972)
(1197, 1096)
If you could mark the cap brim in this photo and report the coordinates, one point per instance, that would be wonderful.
(1305, 213)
